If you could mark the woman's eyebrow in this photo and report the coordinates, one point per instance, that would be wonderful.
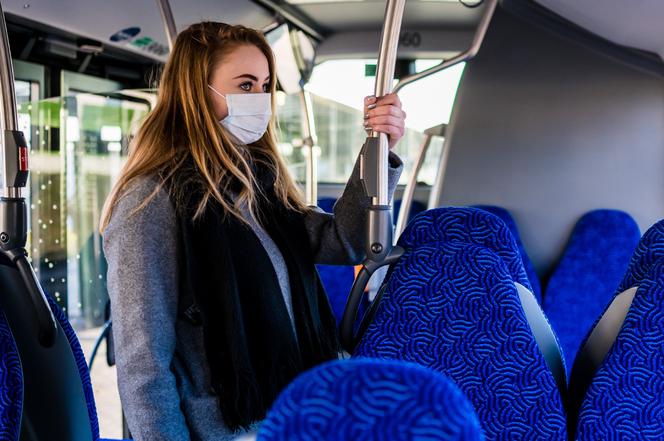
(251, 77)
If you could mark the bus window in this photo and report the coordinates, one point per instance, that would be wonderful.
(77, 149)
(337, 87)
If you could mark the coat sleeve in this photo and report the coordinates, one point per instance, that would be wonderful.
(338, 238)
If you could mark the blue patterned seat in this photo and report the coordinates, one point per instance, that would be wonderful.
(506, 217)
(11, 384)
(454, 307)
(467, 225)
(595, 259)
(370, 400)
(625, 399)
(649, 250)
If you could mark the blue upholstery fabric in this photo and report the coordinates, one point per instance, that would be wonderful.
(327, 204)
(596, 257)
(527, 263)
(626, 397)
(467, 225)
(81, 364)
(453, 307)
(11, 384)
(370, 400)
(649, 250)
(337, 279)
(416, 207)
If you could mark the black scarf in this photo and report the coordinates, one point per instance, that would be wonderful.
(231, 288)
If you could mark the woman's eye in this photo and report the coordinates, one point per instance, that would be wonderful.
(266, 87)
(245, 86)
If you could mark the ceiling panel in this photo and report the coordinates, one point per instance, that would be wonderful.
(103, 19)
(632, 23)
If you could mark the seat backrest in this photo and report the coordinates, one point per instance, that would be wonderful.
(11, 384)
(454, 307)
(595, 259)
(327, 204)
(416, 207)
(54, 401)
(467, 225)
(625, 399)
(649, 250)
(337, 279)
(370, 400)
(81, 364)
(527, 263)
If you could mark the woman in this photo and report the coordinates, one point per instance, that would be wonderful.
(215, 298)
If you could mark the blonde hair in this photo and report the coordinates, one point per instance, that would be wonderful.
(183, 126)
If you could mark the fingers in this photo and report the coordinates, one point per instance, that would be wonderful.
(384, 115)
(389, 120)
(386, 110)
(395, 133)
(372, 102)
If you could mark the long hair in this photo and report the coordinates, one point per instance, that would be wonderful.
(182, 129)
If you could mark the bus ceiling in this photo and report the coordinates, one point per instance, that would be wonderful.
(351, 29)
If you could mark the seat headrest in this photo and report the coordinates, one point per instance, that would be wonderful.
(370, 399)
(649, 250)
(467, 225)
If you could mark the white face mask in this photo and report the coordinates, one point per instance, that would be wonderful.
(248, 115)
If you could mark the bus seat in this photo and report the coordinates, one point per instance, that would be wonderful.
(468, 225)
(625, 399)
(527, 263)
(453, 307)
(327, 204)
(337, 279)
(649, 250)
(11, 381)
(595, 259)
(367, 399)
(11, 384)
(416, 207)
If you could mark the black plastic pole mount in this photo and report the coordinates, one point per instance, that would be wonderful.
(13, 235)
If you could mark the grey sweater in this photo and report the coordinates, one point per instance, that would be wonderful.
(162, 371)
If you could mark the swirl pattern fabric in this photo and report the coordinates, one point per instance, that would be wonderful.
(506, 217)
(371, 400)
(625, 400)
(467, 225)
(648, 251)
(81, 364)
(11, 384)
(596, 257)
(454, 308)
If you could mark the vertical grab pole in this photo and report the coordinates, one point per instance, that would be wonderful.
(310, 142)
(169, 22)
(374, 158)
(373, 174)
(13, 211)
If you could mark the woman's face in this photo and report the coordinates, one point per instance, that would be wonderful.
(244, 70)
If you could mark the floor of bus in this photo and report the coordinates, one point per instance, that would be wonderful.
(104, 385)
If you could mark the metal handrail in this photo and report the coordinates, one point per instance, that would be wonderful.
(468, 54)
(373, 174)
(13, 211)
(409, 191)
(8, 97)
(168, 21)
(309, 142)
